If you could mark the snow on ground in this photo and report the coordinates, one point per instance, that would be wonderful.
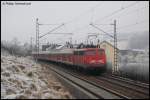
(22, 78)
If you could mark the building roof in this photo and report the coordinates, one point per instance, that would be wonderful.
(107, 43)
(60, 47)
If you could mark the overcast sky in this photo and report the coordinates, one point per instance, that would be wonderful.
(19, 20)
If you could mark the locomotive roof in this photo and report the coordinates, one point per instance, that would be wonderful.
(65, 51)
(83, 49)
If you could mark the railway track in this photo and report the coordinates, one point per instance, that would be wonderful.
(132, 91)
(94, 92)
(129, 81)
(112, 85)
(119, 88)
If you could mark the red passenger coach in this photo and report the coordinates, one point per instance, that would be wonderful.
(86, 58)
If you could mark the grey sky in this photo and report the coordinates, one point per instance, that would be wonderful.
(19, 20)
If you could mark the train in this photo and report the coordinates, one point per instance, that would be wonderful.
(91, 59)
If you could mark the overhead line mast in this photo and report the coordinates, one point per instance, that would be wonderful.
(37, 38)
(115, 67)
(115, 49)
(50, 32)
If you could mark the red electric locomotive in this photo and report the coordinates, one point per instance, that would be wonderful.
(86, 58)
(90, 58)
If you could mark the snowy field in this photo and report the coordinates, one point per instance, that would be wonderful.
(22, 78)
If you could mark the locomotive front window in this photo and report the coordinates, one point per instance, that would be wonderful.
(101, 52)
(90, 52)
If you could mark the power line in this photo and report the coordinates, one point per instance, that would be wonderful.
(129, 25)
(51, 31)
(77, 17)
(119, 10)
(91, 9)
(80, 28)
(100, 24)
(102, 30)
(133, 32)
(114, 13)
(66, 27)
(62, 33)
(92, 15)
(130, 12)
(49, 24)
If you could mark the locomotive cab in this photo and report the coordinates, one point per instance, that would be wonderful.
(95, 58)
(90, 58)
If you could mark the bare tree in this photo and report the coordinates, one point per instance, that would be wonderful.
(15, 46)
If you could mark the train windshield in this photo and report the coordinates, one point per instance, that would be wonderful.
(90, 52)
(101, 52)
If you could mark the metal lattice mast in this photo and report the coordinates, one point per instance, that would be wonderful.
(50, 32)
(31, 45)
(115, 68)
(37, 36)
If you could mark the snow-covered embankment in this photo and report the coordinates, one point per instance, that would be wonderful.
(22, 78)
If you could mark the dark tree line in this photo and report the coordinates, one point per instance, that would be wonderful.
(15, 48)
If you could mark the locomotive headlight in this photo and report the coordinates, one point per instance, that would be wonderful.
(96, 61)
(92, 61)
(101, 61)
